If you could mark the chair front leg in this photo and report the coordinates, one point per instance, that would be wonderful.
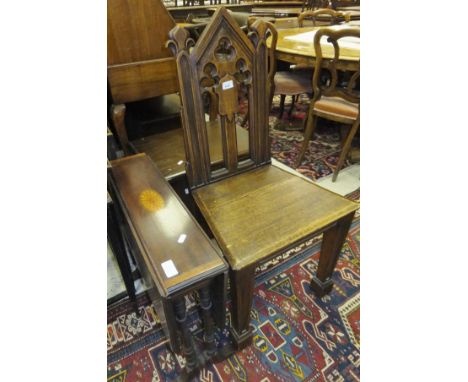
(281, 108)
(345, 149)
(332, 242)
(242, 286)
(309, 130)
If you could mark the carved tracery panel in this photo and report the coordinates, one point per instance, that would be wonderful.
(221, 76)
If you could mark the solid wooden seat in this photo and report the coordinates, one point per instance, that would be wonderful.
(251, 215)
(331, 101)
(167, 149)
(174, 255)
(254, 210)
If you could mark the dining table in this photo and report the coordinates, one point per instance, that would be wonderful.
(296, 46)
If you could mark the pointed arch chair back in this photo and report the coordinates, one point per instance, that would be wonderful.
(227, 65)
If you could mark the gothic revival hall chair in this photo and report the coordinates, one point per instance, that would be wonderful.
(256, 211)
(330, 101)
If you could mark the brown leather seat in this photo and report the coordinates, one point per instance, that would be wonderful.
(332, 101)
(292, 83)
(336, 107)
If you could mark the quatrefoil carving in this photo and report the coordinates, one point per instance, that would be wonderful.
(225, 51)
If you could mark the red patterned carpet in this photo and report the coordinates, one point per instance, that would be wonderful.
(287, 137)
(297, 336)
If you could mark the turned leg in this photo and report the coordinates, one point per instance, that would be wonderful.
(187, 340)
(118, 118)
(346, 147)
(281, 108)
(333, 240)
(309, 131)
(206, 306)
(242, 286)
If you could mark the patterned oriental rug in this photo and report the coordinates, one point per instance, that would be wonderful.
(297, 336)
(287, 136)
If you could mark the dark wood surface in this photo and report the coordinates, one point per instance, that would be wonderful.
(254, 210)
(139, 66)
(135, 31)
(158, 219)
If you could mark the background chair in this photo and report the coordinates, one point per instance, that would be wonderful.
(316, 4)
(299, 80)
(323, 16)
(255, 211)
(339, 104)
(283, 83)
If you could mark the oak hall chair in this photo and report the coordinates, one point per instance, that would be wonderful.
(339, 104)
(256, 211)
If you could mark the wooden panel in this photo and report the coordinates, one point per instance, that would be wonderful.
(167, 149)
(159, 222)
(143, 80)
(256, 214)
(137, 30)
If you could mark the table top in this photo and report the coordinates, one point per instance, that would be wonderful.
(306, 49)
(175, 250)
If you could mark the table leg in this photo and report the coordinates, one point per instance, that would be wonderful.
(206, 306)
(187, 340)
(333, 240)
